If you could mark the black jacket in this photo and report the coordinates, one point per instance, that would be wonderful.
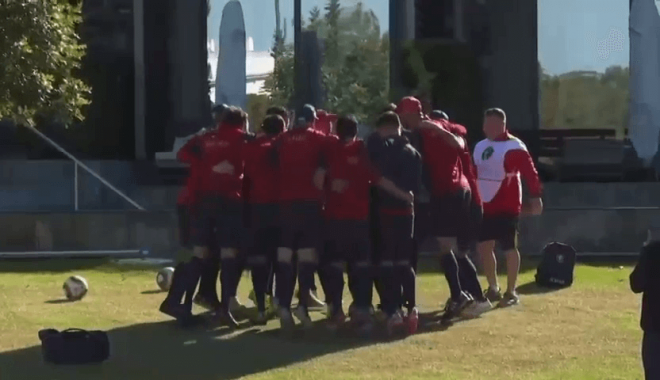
(397, 161)
(645, 278)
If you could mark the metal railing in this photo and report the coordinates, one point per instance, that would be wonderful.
(78, 163)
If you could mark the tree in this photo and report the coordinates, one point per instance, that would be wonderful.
(315, 21)
(333, 12)
(39, 54)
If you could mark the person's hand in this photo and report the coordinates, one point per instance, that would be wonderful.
(535, 207)
(224, 168)
(338, 185)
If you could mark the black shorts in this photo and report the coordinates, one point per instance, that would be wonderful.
(501, 229)
(263, 233)
(396, 238)
(346, 241)
(184, 215)
(449, 214)
(300, 222)
(219, 219)
(469, 236)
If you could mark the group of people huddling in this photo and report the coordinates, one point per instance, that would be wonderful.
(292, 201)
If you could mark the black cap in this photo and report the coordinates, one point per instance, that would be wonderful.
(308, 113)
(219, 108)
(439, 115)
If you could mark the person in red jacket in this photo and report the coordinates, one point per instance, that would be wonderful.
(501, 159)
(326, 122)
(450, 195)
(466, 269)
(349, 179)
(219, 188)
(300, 154)
(263, 230)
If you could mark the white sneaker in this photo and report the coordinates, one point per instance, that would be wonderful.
(303, 316)
(477, 308)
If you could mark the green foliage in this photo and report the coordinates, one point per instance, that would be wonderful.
(355, 70)
(585, 99)
(39, 55)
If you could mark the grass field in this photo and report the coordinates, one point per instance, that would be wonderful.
(589, 331)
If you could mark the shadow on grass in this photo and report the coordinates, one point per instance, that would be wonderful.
(156, 291)
(532, 288)
(57, 302)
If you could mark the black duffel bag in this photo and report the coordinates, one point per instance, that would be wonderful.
(557, 266)
(74, 346)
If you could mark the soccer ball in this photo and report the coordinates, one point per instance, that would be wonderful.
(75, 288)
(164, 278)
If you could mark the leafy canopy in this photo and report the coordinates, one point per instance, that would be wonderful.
(39, 55)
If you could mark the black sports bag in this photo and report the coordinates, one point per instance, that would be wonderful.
(557, 266)
(74, 346)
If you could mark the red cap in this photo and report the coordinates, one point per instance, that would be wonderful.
(409, 104)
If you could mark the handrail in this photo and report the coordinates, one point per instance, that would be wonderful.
(90, 171)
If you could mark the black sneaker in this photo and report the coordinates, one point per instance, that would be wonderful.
(179, 312)
(509, 299)
(453, 309)
(226, 318)
(493, 294)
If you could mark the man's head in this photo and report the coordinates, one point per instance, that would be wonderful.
(280, 111)
(235, 117)
(218, 112)
(410, 112)
(347, 128)
(438, 115)
(388, 124)
(273, 125)
(309, 115)
(494, 123)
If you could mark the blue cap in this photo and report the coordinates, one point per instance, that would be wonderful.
(309, 113)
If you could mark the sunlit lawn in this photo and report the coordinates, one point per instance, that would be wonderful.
(589, 331)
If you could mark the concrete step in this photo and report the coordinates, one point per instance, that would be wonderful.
(589, 231)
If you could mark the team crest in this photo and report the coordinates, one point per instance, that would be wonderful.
(488, 152)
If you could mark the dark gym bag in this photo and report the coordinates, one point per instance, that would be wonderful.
(557, 266)
(74, 346)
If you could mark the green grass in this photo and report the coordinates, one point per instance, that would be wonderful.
(589, 331)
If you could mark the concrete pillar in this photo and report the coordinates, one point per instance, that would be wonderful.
(512, 68)
(189, 75)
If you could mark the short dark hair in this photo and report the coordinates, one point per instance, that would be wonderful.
(388, 119)
(390, 108)
(280, 111)
(498, 112)
(273, 125)
(347, 127)
(235, 116)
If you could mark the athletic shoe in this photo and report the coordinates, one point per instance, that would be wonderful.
(235, 304)
(303, 316)
(287, 323)
(412, 319)
(261, 319)
(206, 302)
(493, 294)
(509, 299)
(226, 318)
(314, 303)
(454, 308)
(174, 310)
(394, 322)
(336, 321)
(477, 308)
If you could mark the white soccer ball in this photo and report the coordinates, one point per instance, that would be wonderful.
(75, 288)
(164, 278)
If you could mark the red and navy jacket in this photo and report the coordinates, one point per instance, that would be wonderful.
(261, 176)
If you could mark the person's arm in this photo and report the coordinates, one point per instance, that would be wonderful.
(449, 138)
(519, 160)
(471, 175)
(190, 151)
(638, 277)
